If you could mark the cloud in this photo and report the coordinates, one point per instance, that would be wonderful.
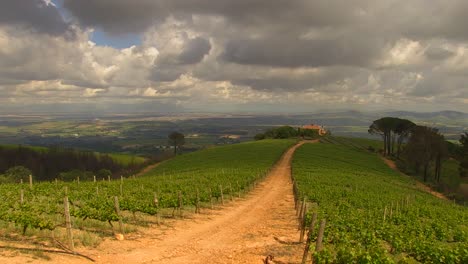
(116, 16)
(438, 53)
(285, 52)
(36, 15)
(194, 51)
(238, 54)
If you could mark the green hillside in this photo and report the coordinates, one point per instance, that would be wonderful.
(123, 159)
(353, 190)
(185, 180)
(248, 156)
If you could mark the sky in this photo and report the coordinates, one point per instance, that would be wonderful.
(233, 56)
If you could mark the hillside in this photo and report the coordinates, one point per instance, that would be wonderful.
(123, 159)
(243, 195)
(374, 213)
(48, 163)
(201, 179)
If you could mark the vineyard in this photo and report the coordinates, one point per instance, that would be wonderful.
(373, 214)
(187, 182)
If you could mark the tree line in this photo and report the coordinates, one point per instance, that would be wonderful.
(287, 132)
(425, 147)
(56, 162)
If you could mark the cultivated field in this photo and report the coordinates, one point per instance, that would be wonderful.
(185, 183)
(374, 214)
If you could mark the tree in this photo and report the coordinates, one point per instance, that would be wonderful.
(75, 174)
(463, 168)
(402, 129)
(464, 142)
(389, 128)
(176, 140)
(308, 133)
(103, 174)
(383, 127)
(439, 152)
(426, 145)
(18, 173)
(281, 132)
(259, 136)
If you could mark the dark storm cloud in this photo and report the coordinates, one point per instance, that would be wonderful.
(285, 52)
(194, 51)
(422, 19)
(33, 14)
(170, 67)
(123, 16)
(317, 83)
(116, 16)
(166, 73)
(436, 53)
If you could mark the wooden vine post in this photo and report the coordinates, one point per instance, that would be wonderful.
(309, 238)
(117, 211)
(318, 246)
(222, 196)
(68, 223)
(303, 227)
(211, 200)
(385, 213)
(180, 203)
(22, 196)
(30, 182)
(301, 212)
(197, 205)
(231, 192)
(156, 204)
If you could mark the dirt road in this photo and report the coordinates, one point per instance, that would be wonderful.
(244, 231)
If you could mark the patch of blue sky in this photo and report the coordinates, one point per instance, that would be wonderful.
(100, 37)
(118, 41)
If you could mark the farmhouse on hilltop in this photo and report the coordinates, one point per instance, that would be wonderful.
(320, 129)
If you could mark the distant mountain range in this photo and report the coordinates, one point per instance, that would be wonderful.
(349, 123)
(441, 114)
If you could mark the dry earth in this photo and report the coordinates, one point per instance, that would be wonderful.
(243, 231)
